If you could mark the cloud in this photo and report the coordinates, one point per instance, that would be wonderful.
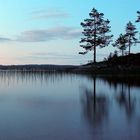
(54, 55)
(49, 34)
(3, 39)
(49, 14)
(50, 56)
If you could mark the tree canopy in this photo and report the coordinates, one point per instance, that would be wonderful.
(121, 43)
(96, 30)
(131, 34)
(96, 33)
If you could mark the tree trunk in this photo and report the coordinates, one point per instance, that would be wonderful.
(129, 46)
(95, 44)
(122, 53)
(94, 60)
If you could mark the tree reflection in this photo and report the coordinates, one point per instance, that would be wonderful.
(124, 100)
(95, 105)
(16, 77)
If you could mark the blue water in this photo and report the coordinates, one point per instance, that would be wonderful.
(50, 106)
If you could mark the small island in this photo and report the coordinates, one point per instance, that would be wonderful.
(96, 32)
(128, 64)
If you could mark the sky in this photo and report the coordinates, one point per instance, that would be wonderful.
(49, 31)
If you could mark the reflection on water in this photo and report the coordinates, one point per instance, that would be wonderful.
(112, 106)
(42, 105)
(124, 100)
(95, 105)
(29, 76)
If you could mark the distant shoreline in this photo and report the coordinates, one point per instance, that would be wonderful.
(129, 64)
(37, 67)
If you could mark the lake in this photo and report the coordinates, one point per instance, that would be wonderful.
(61, 106)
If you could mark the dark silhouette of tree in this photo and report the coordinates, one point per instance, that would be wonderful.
(95, 32)
(126, 101)
(138, 17)
(138, 20)
(121, 43)
(112, 56)
(115, 53)
(95, 106)
(131, 34)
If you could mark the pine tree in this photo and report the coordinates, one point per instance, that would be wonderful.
(121, 43)
(138, 17)
(138, 20)
(131, 34)
(95, 32)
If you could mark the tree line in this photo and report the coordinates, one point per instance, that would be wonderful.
(97, 33)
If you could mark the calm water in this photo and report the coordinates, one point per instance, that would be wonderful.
(50, 106)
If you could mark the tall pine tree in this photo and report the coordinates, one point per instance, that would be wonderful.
(95, 32)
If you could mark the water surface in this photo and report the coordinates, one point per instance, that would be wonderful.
(41, 106)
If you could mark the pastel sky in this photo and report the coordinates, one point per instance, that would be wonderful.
(49, 31)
